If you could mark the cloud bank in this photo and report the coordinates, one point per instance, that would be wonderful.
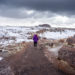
(39, 11)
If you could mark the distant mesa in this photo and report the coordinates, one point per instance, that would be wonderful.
(45, 25)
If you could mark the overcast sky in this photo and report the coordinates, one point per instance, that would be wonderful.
(34, 12)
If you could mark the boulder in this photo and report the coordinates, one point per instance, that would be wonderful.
(45, 25)
(71, 40)
(5, 69)
(41, 31)
(67, 54)
(66, 57)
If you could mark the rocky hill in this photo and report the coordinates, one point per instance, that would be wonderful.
(45, 25)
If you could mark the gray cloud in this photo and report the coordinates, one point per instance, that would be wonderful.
(14, 8)
(52, 5)
(21, 13)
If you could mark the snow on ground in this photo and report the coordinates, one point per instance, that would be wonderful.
(9, 35)
(58, 35)
(16, 34)
(1, 58)
(55, 49)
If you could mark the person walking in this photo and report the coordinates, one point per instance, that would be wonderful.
(35, 39)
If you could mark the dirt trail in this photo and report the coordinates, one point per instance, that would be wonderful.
(33, 62)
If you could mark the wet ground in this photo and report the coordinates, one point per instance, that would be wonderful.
(33, 62)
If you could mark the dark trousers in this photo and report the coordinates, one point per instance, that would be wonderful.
(35, 44)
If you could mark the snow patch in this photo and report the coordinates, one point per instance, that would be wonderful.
(55, 50)
(58, 35)
(1, 58)
(15, 34)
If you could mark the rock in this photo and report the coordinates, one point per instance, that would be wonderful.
(0, 50)
(30, 37)
(65, 67)
(45, 25)
(5, 69)
(71, 41)
(8, 38)
(12, 49)
(41, 31)
(66, 57)
(67, 54)
(61, 41)
(44, 38)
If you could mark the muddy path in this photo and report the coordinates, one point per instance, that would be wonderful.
(33, 61)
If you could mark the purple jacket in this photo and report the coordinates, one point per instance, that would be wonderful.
(35, 38)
